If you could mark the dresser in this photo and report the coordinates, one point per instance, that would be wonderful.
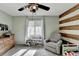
(6, 43)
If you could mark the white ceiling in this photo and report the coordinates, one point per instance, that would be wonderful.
(55, 9)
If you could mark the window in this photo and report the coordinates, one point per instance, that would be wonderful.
(31, 28)
(35, 28)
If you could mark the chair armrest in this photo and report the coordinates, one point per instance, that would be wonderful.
(45, 40)
(59, 46)
(59, 43)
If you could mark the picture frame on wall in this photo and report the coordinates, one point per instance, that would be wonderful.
(3, 27)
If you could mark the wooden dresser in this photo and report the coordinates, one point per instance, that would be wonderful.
(6, 43)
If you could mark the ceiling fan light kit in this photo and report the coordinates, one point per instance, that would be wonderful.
(33, 7)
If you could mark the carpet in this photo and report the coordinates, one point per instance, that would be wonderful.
(20, 52)
(30, 53)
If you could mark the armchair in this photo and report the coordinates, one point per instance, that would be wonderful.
(53, 44)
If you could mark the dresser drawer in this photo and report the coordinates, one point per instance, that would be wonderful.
(1, 41)
(1, 46)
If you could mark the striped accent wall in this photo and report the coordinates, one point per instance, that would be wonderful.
(69, 25)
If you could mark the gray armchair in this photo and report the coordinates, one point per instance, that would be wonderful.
(53, 44)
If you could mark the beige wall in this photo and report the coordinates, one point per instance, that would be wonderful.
(18, 29)
(6, 19)
(51, 24)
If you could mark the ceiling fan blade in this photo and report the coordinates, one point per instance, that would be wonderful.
(43, 7)
(21, 9)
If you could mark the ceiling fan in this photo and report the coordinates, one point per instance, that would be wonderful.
(33, 7)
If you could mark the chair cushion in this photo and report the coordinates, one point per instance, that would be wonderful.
(51, 44)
